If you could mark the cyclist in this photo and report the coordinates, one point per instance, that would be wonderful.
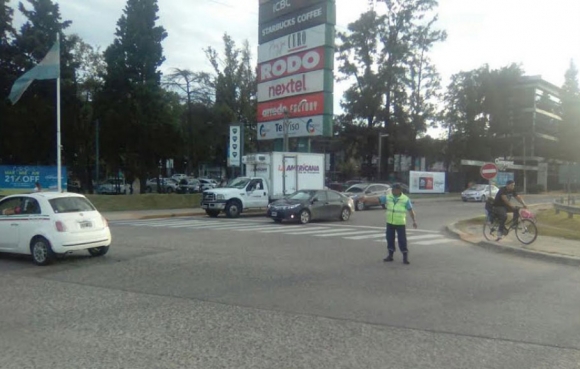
(502, 205)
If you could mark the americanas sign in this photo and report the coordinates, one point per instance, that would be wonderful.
(302, 62)
(300, 20)
(295, 42)
(297, 127)
(277, 8)
(235, 148)
(296, 106)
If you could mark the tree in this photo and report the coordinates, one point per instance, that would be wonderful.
(479, 113)
(8, 72)
(36, 111)
(234, 84)
(385, 54)
(195, 92)
(88, 82)
(132, 105)
(570, 126)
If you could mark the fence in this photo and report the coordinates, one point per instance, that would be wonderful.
(569, 208)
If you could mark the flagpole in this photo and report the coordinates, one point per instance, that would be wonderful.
(58, 143)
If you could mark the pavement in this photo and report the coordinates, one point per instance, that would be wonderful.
(545, 248)
(553, 249)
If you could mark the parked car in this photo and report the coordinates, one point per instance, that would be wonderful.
(113, 186)
(178, 177)
(189, 186)
(479, 192)
(207, 184)
(168, 185)
(46, 224)
(306, 205)
(366, 195)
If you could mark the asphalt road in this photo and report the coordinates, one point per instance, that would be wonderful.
(205, 293)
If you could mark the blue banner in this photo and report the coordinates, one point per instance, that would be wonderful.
(503, 177)
(18, 179)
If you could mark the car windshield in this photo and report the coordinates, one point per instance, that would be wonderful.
(239, 183)
(478, 188)
(301, 195)
(71, 205)
(356, 189)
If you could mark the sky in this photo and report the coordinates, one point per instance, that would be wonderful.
(542, 36)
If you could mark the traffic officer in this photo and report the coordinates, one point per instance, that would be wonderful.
(397, 205)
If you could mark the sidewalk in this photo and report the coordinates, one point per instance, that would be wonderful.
(545, 248)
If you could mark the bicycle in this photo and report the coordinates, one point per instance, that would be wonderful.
(525, 227)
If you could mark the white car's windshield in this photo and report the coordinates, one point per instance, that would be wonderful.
(239, 183)
(478, 188)
(356, 189)
(70, 205)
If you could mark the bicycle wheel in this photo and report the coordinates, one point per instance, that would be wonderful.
(490, 231)
(526, 231)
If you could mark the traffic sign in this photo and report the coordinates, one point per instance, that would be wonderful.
(488, 171)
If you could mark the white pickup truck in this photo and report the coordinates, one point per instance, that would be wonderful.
(270, 176)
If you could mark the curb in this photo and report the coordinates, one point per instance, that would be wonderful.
(538, 255)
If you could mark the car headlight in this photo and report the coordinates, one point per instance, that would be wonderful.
(220, 197)
(294, 206)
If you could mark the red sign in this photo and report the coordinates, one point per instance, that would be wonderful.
(302, 62)
(488, 171)
(274, 110)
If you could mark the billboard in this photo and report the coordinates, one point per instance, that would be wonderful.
(301, 62)
(426, 182)
(302, 40)
(297, 127)
(295, 68)
(301, 19)
(299, 84)
(18, 179)
(270, 10)
(297, 106)
(235, 146)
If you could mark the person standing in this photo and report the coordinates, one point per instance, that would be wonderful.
(397, 205)
(37, 187)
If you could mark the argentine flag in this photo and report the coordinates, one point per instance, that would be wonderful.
(48, 68)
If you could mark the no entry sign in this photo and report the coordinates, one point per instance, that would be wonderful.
(488, 171)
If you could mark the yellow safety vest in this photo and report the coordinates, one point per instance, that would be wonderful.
(396, 213)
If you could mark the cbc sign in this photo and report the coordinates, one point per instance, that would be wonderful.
(277, 8)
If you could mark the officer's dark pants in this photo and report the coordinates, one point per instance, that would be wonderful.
(401, 232)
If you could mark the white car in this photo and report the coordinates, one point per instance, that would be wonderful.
(45, 224)
(479, 192)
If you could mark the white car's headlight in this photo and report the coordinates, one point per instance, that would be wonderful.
(220, 197)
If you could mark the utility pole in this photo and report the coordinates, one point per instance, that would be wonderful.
(287, 122)
(97, 152)
(380, 154)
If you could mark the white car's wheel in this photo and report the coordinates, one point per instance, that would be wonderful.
(483, 198)
(99, 251)
(41, 251)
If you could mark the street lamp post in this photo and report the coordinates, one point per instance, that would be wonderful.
(287, 122)
(380, 154)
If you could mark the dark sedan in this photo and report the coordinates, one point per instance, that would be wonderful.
(307, 205)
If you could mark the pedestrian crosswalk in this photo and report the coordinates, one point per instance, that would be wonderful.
(319, 230)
